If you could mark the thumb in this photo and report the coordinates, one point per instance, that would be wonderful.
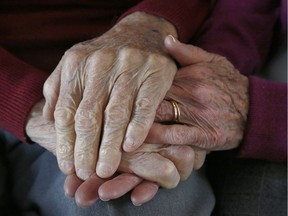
(186, 54)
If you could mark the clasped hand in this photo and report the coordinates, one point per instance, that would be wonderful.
(104, 93)
(212, 96)
(213, 99)
(142, 171)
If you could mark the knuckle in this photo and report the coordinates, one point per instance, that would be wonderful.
(49, 92)
(78, 46)
(144, 105)
(47, 88)
(65, 151)
(201, 93)
(130, 54)
(64, 118)
(116, 112)
(112, 136)
(177, 136)
(170, 175)
(99, 56)
(187, 155)
(108, 150)
(144, 113)
(86, 120)
(73, 55)
(97, 64)
(129, 60)
(163, 112)
(73, 58)
(84, 156)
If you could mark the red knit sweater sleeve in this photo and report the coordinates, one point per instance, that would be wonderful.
(242, 31)
(266, 132)
(20, 87)
(185, 15)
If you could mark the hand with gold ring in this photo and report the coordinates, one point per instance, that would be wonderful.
(212, 97)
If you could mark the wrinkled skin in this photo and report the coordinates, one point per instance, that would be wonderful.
(213, 99)
(206, 87)
(143, 171)
(103, 87)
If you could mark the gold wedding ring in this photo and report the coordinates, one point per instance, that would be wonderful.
(176, 110)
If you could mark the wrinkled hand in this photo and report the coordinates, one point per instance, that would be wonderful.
(87, 192)
(142, 171)
(212, 97)
(109, 87)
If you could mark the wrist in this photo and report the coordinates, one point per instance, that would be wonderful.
(141, 31)
(152, 22)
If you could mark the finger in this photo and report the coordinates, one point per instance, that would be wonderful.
(89, 116)
(168, 113)
(147, 101)
(118, 186)
(182, 156)
(186, 54)
(144, 192)
(200, 156)
(118, 112)
(87, 192)
(51, 92)
(68, 101)
(40, 130)
(71, 184)
(164, 112)
(152, 167)
(177, 134)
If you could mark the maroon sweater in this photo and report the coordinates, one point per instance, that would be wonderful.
(244, 32)
(39, 33)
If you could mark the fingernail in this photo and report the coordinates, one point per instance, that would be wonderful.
(104, 200)
(129, 144)
(86, 204)
(68, 195)
(104, 171)
(173, 38)
(66, 166)
(136, 204)
(83, 174)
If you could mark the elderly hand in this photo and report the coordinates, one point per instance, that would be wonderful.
(160, 165)
(87, 192)
(109, 87)
(212, 97)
